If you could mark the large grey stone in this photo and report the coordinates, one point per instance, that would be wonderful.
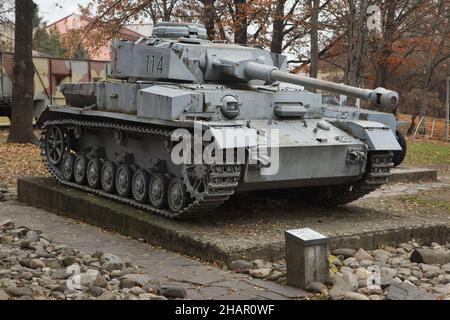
(3, 295)
(20, 291)
(430, 256)
(241, 265)
(346, 252)
(381, 255)
(354, 296)
(402, 291)
(138, 279)
(362, 255)
(172, 291)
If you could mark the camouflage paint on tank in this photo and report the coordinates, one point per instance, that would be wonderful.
(51, 73)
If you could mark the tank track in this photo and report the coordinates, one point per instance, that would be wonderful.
(377, 174)
(222, 182)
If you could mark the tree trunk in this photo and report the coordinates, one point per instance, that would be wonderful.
(314, 34)
(21, 130)
(278, 28)
(209, 17)
(386, 46)
(240, 22)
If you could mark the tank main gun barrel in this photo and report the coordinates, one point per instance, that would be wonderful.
(380, 96)
(250, 70)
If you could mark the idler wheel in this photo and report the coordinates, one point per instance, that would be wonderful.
(94, 169)
(54, 145)
(139, 186)
(79, 169)
(67, 166)
(177, 196)
(108, 175)
(123, 180)
(157, 191)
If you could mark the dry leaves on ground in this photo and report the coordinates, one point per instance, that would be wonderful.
(17, 160)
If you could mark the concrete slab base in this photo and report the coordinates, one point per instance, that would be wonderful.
(412, 174)
(200, 238)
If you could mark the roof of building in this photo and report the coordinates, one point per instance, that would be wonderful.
(124, 31)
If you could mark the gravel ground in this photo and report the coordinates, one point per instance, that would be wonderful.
(409, 271)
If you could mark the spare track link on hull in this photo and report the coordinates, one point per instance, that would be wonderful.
(199, 206)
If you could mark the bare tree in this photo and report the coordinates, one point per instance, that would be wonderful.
(21, 130)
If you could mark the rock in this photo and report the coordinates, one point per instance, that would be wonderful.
(375, 297)
(386, 281)
(347, 253)
(316, 287)
(32, 263)
(389, 272)
(41, 253)
(416, 273)
(337, 262)
(366, 263)
(430, 271)
(107, 296)
(446, 268)
(6, 239)
(26, 275)
(362, 274)
(52, 264)
(374, 289)
(136, 291)
(31, 236)
(261, 264)
(140, 280)
(6, 224)
(430, 256)
(60, 274)
(127, 284)
(381, 255)
(241, 266)
(3, 295)
(442, 290)
(406, 246)
(400, 251)
(116, 274)
(349, 261)
(172, 291)
(403, 273)
(260, 273)
(415, 281)
(96, 291)
(87, 279)
(20, 291)
(25, 298)
(68, 261)
(354, 296)
(100, 282)
(362, 255)
(402, 291)
(111, 262)
(275, 275)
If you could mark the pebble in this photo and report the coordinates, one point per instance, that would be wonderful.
(260, 273)
(355, 296)
(172, 291)
(20, 291)
(241, 265)
(345, 252)
(361, 254)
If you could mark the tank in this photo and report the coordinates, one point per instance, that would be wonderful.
(184, 123)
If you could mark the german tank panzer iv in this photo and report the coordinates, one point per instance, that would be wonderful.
(123, 139)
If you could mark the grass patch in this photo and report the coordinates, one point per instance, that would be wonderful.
(418, 202)
(427, 153)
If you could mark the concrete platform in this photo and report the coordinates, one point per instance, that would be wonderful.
(412, 174)
(234, 231)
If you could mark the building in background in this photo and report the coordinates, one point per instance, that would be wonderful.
(76, 22)
(144, 29)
